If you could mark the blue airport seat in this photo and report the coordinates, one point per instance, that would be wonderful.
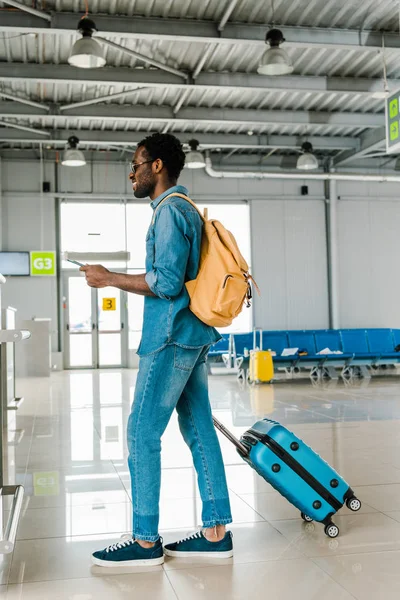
(242, 341)
(355, 341)
(275, 340)
(278, 341)
(396, 337)
(330, 338)
(304, 340)
(381, 342)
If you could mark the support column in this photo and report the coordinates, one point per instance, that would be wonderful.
(333, 255)
(1, 206)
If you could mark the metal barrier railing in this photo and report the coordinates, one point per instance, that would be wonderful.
(17, 491)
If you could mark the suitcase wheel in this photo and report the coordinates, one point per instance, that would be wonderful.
(353, 504)
(332, 530)
(306, 518)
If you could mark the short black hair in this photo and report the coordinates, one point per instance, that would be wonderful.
(167, 147)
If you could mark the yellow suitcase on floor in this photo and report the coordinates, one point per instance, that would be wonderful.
(261, 365)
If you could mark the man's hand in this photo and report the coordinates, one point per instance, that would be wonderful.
(97, 276)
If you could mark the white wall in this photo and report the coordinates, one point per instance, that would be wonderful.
(1, 205)
(204, 187)
(28, 223)
(369, 232)
(290, 264)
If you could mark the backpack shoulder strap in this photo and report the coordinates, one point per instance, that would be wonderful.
(179, 196)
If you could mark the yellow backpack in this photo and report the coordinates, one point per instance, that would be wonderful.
(222, 285)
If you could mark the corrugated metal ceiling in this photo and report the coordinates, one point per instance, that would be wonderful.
(46, 48)
(368, 14)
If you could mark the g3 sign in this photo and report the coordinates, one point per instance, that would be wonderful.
(43, 263)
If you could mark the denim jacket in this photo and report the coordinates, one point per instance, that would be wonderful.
(172, 258)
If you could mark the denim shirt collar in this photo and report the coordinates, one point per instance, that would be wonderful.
(176, 189)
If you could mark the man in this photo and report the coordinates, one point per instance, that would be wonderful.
(172, 371)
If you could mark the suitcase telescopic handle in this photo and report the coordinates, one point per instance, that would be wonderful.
(255, 331)
(243, 450)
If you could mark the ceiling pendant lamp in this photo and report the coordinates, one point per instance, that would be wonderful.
(86, 53)
(194, 158)
(275, 61)
(307, 161)
(73, 157)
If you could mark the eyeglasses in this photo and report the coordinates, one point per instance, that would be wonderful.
(134, 166)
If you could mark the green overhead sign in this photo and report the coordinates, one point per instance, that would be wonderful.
(393, 123)
(43, 263)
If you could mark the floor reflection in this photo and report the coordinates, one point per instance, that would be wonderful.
(67, 446)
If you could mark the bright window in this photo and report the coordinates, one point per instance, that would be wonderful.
(138, 219)
(93, 227)
(135, 315)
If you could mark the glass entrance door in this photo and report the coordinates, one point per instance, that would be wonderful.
(111, 327)
(94, 325)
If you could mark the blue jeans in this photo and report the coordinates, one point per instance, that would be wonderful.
(173, 377)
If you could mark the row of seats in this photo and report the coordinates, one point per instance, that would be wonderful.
(359, 347)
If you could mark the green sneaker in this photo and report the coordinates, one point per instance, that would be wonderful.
(198, 545)
(128, 553)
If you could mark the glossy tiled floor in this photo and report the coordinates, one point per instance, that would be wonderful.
(67, 446)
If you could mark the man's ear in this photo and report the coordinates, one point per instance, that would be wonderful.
(158, 165)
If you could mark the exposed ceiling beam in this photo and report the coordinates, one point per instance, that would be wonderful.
(192, 30)
(101, 99)
(23, 128)
(28, 9)
(197, 115)
(204, 57)
(24, 101)
(207, 140)
(14, 72)
(369, 142)
(227, 13)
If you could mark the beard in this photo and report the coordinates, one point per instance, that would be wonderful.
(140, 193)
(144, 188)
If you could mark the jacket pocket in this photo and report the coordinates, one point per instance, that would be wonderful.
(231, 295)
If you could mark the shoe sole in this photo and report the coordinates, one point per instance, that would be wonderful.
(178, 554)
(150, 562)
